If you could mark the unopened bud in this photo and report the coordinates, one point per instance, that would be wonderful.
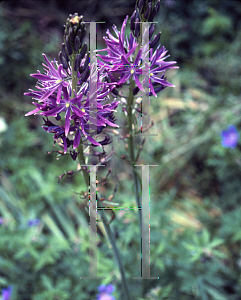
(75, 28)
(65, 53)
(68, 45)
(147, 12)
(135, 90)
(83, 34)
(76, 43)
(141, 6)
(63, 61)
(155, 40)
(152, 15)
(151, 30)
(77, 62)
(115, 92)
(137, 27)
(87, 60)
(85, 75)
(158, 5)
(71, 34)
(83, 51)
(132, 21)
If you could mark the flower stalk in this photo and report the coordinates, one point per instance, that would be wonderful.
(108, 230)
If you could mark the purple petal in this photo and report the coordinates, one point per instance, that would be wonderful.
(138, 57)
(65, 144)
(53, 112)
(137, 81)
(152, 89)
(77, 111)
(51, 67)
(6, 293)
(162, 81)
(42, 77)
(110, 289)
(49, 93)
(89, 138)
(230, 137)
(77, 139)
(32, 112)
(124, 78)
(125, 61)
(107, 121)
(123, 28)
(67, 121)
(59, 94)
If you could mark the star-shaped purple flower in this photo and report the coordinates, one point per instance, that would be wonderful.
(230, 137)
(6, 293)
(122, 62)
(33, 222)
(105, 292)
(53, 80)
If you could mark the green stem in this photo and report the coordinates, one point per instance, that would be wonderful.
(107, 227)
(130, 101)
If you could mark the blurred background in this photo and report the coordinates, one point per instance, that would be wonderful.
(195, 190)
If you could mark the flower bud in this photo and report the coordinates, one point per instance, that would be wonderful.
(158, 5)
(68, 45)
(135, 90)
(147, 12)
(85, 75)
(155, 40)
(152, 15)
(151, 30)
(114, 91)
(83, 34)
(137, 27)
(65, 53)
(132, 21)
(137, 15)
(71, 34)
(77, 63)
(76, 43)
(81, 69)
(141, 6)
(63, 61)
(87, 60)
(83, 51)
(75, 28)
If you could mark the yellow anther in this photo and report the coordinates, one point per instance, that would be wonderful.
(83, 110)
(151, 74)
(80, 128)
(132, 71)
(67, 104)
(58, 81)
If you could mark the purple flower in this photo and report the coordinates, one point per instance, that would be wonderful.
(86, 114)
(105, 292)
(33, 222)
(230, 137)
(6, 293)
(122, 62)
(66, 104)
(53, 80)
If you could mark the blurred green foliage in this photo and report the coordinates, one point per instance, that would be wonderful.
(195, 190)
